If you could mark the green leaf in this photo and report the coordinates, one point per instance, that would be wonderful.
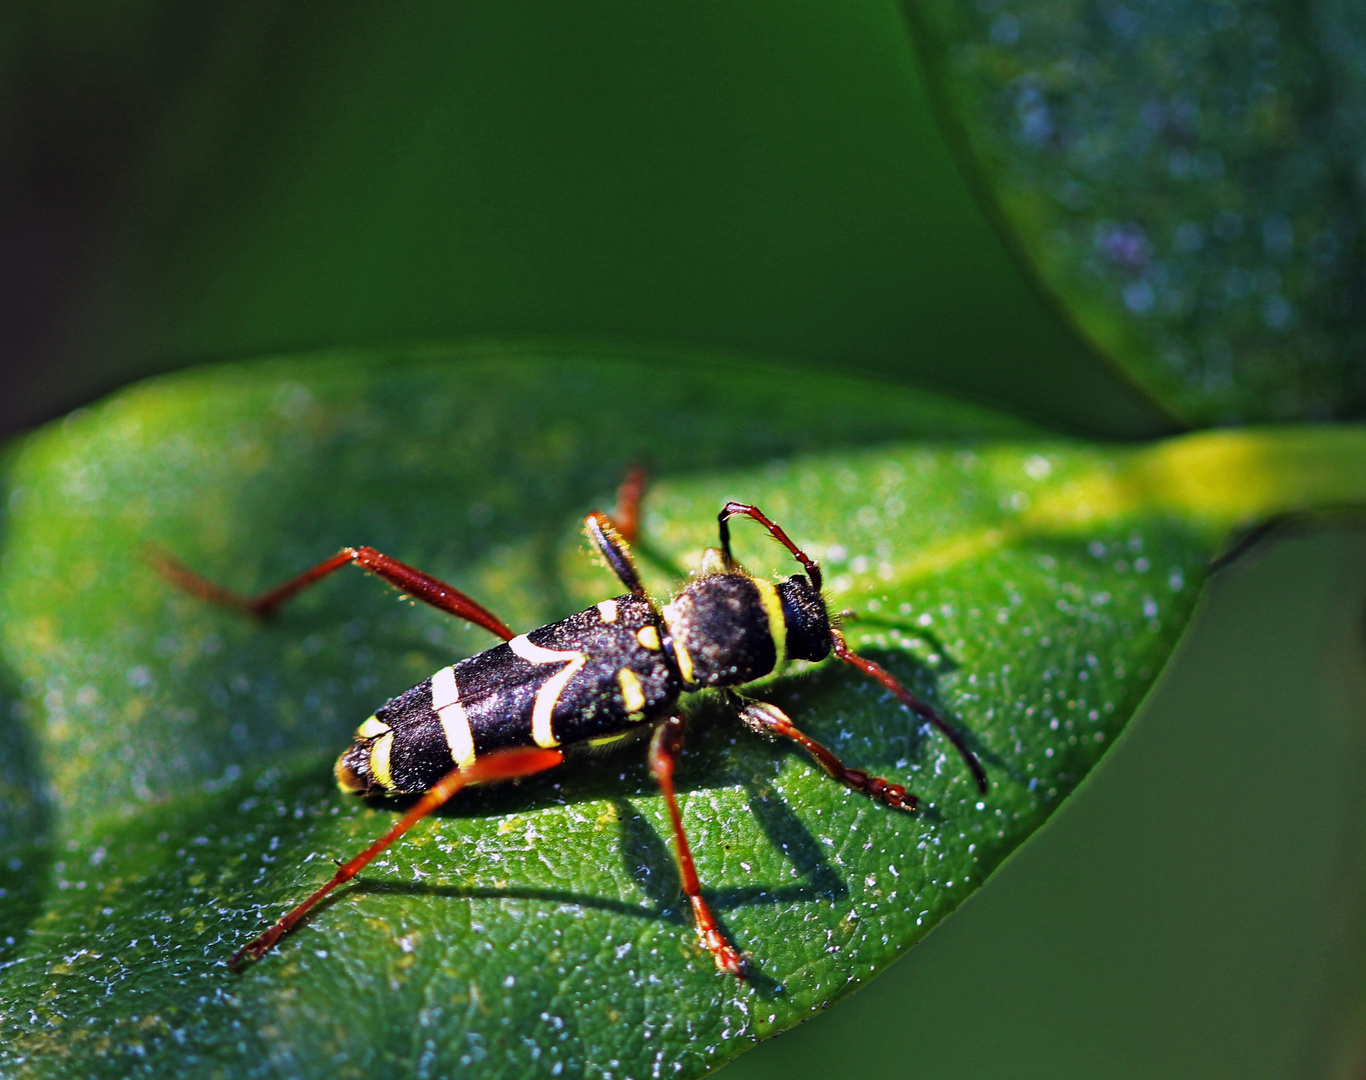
(1184, 177)
(1031, 587)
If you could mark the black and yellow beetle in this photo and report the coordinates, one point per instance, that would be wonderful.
(615, 670)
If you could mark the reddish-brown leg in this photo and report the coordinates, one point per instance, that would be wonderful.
(664, 749)
(733, 509)
(414, 582)
(627, 517)
(499, 765)
(920, 708)
(770, 720)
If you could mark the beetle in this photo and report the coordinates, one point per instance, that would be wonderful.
(608, 673)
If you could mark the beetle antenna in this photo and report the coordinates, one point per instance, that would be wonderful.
(920, 708)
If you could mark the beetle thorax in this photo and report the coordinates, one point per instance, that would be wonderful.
(722, 632)
(730, 628)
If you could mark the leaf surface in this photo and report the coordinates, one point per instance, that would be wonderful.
(1031, 587)
(1183, 177)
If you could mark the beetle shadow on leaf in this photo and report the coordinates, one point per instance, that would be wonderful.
(643, 853)
(940, 661)
(786, 832)
(568, 897)
(650, 863)
(25, 824)
(648, 860)
(924, 681)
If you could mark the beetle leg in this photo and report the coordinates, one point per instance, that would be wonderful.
(734, 509)
(920, 708)
(629, 494)
(414, 582)
(664, 749)
(770, 720)
(499, 765)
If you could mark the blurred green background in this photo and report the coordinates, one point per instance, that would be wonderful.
(206, 181)
(765, 177)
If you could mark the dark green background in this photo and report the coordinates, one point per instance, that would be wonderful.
(207, 182)
(764, 177)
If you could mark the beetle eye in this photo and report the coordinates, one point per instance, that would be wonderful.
(808, 624)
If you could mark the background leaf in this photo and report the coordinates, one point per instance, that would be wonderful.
(1034, 588)
(1185, 178)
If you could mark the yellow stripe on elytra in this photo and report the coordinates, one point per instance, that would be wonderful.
(455, 722)
(648, 637)
(777, 625)
(379, 760)
(632, 696)
(608, 610)
(549, 693)
(444, 690)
